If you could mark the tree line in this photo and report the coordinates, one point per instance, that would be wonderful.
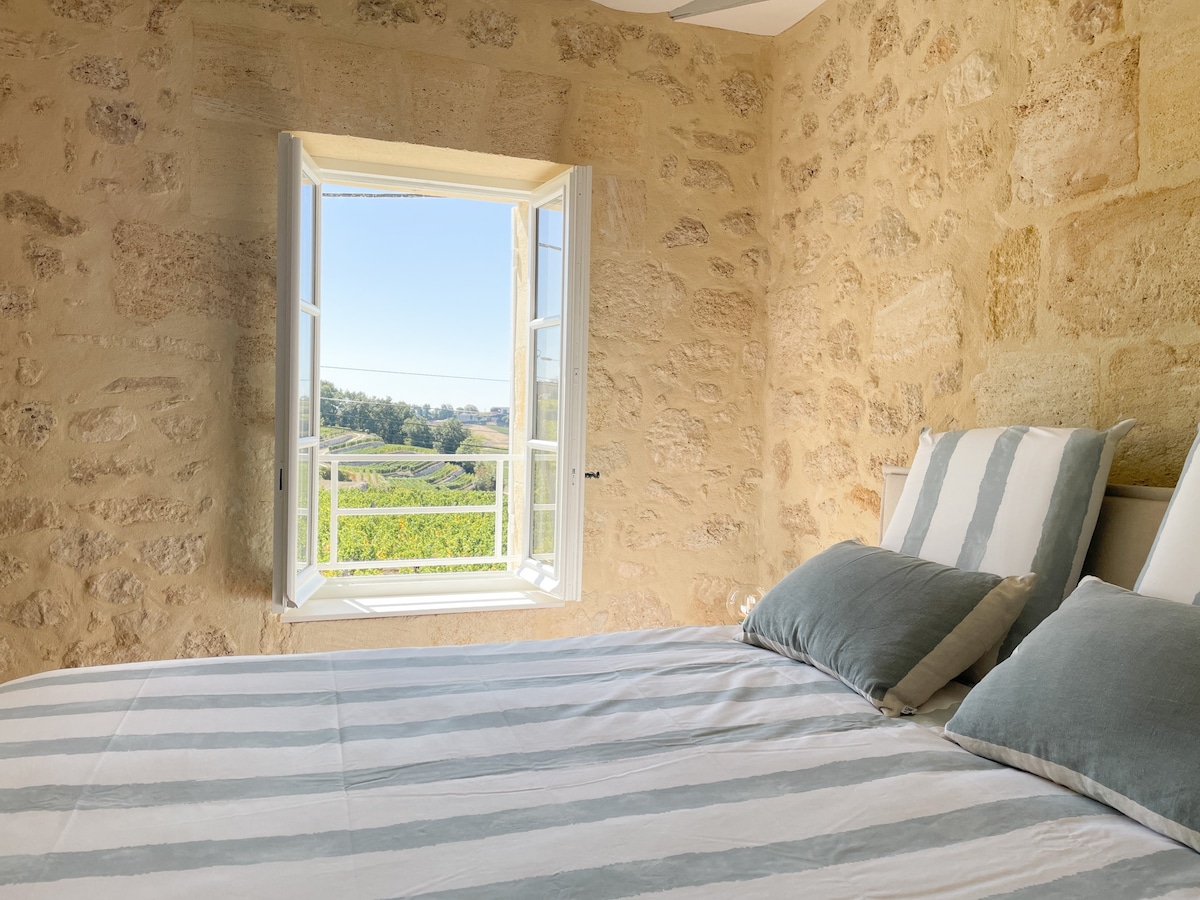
(395, 421)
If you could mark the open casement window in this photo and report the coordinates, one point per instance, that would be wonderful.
(297, 401)
(536, 502)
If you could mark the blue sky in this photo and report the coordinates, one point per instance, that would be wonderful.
(417, 285)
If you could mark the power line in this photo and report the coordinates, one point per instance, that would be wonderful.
(416, 374)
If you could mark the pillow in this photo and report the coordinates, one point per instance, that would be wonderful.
(894, 628)
(1101, 698)
(1172, 570)
(1007, 501)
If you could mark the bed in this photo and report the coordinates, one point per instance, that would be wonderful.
(681, 762)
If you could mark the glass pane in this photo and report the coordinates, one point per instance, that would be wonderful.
(545, 486)
(545, 396)
(549, 261)
(307, 324)
(308, 198)
(449, 536)
(304, 473)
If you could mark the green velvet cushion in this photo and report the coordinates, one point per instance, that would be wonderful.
(892, 627)
(1104, 698)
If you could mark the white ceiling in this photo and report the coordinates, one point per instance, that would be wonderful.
(768, 17)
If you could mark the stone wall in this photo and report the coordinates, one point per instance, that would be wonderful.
(982, 213)
(137, 211)
(898, 213)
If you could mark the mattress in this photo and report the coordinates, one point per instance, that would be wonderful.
(678, 762)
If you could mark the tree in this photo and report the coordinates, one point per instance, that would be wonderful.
(472, 445)
(417, 432)
(448, 435)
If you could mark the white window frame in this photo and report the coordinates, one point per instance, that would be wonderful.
(530, 583)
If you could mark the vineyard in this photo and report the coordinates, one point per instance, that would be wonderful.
(408, 483)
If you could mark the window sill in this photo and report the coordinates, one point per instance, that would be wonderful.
(372, 602)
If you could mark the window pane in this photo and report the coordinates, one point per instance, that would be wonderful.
(549, 261)
(307, 323)
(545, 487)
(545, 397)
(304, 472)
(308, 196)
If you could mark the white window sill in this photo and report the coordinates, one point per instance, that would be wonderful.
(372, 601)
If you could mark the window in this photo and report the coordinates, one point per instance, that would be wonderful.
(420, 505)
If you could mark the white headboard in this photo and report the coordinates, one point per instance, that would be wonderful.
(1129, 519)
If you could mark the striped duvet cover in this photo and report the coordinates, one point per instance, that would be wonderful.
(678, 763)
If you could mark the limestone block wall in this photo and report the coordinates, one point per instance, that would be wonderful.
(137, 198)
(981, 213)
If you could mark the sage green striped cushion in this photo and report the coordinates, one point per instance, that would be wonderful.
(1007, 501)
(1104, 698)
(892, 627)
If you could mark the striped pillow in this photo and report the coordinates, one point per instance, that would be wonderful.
(1172, 571)
(1007, 501)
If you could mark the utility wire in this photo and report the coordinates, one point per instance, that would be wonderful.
(417, 374)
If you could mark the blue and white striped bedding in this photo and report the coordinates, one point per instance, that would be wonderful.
(680, 763)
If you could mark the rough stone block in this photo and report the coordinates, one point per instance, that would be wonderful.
(1171, 92)
(736, 144)
(797, 519)
(385, 12)
(350, 85)
(207, 642)
(688, 232)
(115, 121)
(16, 301)
(41, 609)
(489, 27)
(142, 509)
(891, 236)
(161, 174)
(80, 548)
(116, 586)
(743, 94)
(833, 73)
(245, 75)
(619, 212)
(922, 321)
(609, 126)
(794, 323)
(181, 428)
(26, 514)
(885, 34)
(972, 148)
(105, 425)
(11, 568)
(1014, 270)
(1052, 389)
(633, 298)
(590, 42)
(798, 177)
(1088, 19)
(677, 93)
(27, 425)
(89, 471)
(711, 533)
(707, 175)
(729, 312)
(943, 48)
(175, 555)
(213, 275)
(34, 211)
(101, 71)
(677, 441)
(94, 12)
(1128, 267)
(527, 114)
(1077, 127)
(976, 78)
(29, 371)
